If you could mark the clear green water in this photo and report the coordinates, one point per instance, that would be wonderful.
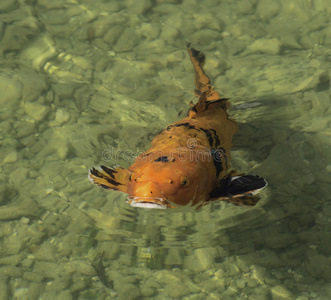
(84, 83)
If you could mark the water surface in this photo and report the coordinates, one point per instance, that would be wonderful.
(86, 83)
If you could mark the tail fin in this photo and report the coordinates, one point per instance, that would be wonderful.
(202, 81)
(110, 178)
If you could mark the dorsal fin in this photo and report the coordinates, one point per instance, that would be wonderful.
(203, 103)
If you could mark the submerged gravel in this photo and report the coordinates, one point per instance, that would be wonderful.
(85, 83)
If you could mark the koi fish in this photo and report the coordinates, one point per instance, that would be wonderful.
(188, 162)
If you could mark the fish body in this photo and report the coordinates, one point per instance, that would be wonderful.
(188, 162)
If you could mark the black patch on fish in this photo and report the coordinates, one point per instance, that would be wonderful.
(225, 182)
(243, 185)
(216, 138)
(217, 160)
(109, 171)
(187, 125)
(198, 55)
(110, 179)
(222, 150)
(113, 182)
(208, 134)
(162, 158)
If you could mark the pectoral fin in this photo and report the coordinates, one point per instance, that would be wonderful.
(110, 178)
(240, 190)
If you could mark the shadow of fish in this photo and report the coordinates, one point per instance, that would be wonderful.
(188, 162)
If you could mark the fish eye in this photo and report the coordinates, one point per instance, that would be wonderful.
(184, 182)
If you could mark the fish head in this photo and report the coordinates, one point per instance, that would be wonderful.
(168, 184)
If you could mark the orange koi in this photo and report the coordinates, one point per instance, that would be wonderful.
(188, 162)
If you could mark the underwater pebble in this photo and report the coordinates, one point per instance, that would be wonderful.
(36, 111)
(204, 258)
(138, 7)
(127, 40)
(11, 271)
(128, 291)
(245, 6)
(28, 207)
(264, 86)
(21, 293)
(169, 34)
(18, 176)
(52, 4)
(259, 293)
(33, 276)
(289, 41)
(205, 35)
(79, 267)
(177, 284)
(319, 79)
(100, 102)
(173, 257)
(33, 85)
(240, 283)
(7, 5)
(147, 291)
(24, 128)
(14, 244)
(4, 288)
(16, 35)
(46, 252)
(281, 241)
(259, 273)
(281, 292)
(267, 9)
(56, 16)
(319, 267)
(113, 34)
(65, 295)
(11, 90)
(10, 157)
(62, 116)
(12, 259)
(44, 267)
(267, 46)
(302, 298)
(39, 52)
(166, 8)
(149, 31)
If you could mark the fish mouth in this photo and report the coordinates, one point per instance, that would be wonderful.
(148, 202)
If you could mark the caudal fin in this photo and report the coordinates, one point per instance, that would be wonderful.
(202, 81)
